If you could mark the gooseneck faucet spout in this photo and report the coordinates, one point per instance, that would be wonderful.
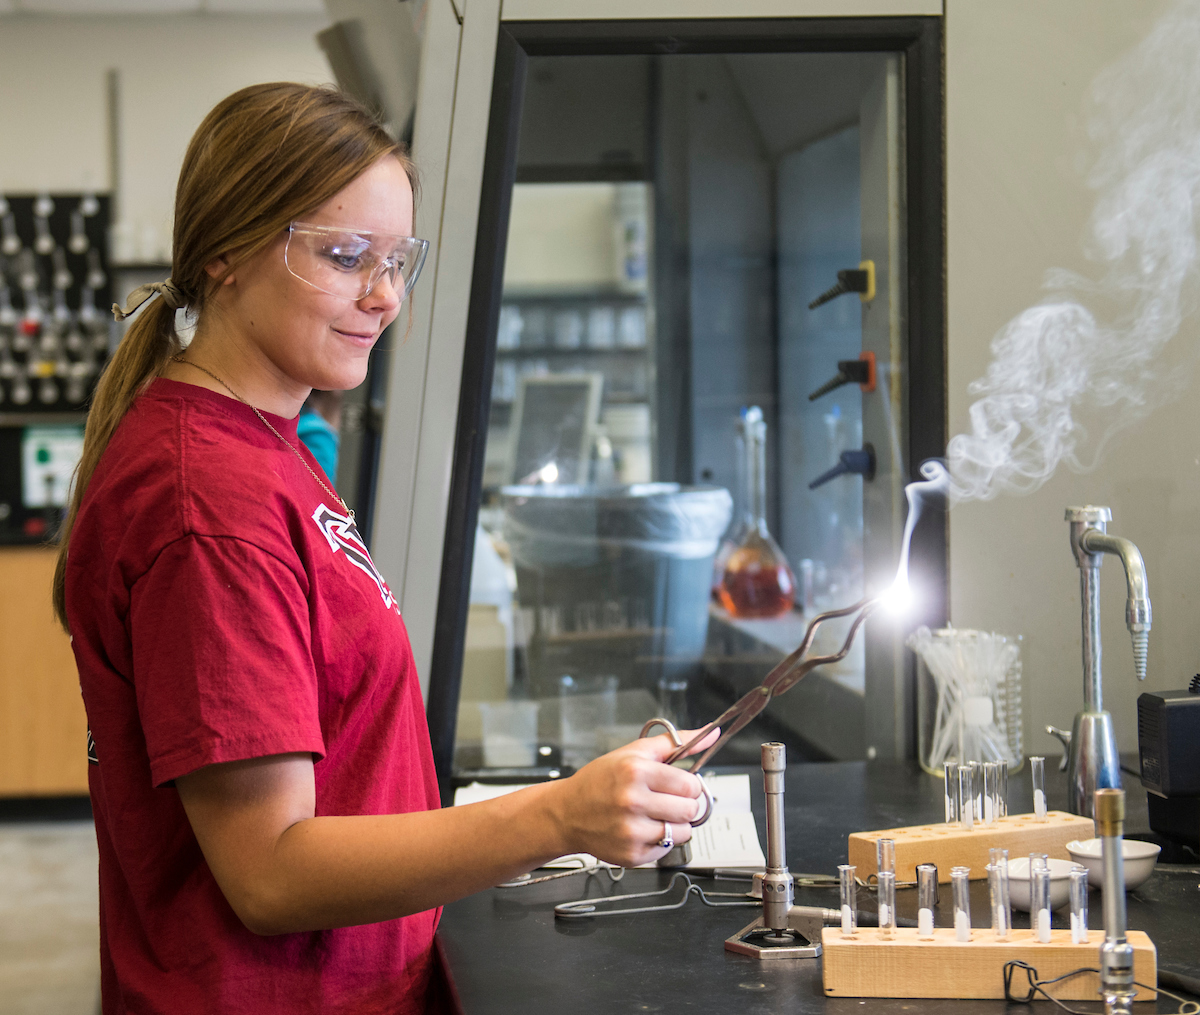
(1091, 748)
(1137, 601)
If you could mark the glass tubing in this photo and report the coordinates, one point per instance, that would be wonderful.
(998, 892)
(1039, 896)
(849, 889)
(976, 791)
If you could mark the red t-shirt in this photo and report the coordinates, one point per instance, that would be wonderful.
(224, 607)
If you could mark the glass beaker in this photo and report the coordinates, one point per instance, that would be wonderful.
(586, 704)
(968, 698)
(509, 733)
(756, 580)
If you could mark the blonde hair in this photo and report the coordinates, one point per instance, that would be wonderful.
(263, 157)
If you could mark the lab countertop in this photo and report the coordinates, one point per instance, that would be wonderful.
(507, 954)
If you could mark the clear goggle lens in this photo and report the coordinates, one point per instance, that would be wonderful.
(350, 263)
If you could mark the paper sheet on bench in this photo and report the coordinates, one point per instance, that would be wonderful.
(728, 839)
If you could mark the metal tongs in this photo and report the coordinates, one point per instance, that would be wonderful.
(583, 865)
(782, 678)
(600, 906)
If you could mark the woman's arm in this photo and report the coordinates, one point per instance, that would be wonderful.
(284, 870)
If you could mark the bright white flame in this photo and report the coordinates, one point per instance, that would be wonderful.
(899, 597)
(548, 473)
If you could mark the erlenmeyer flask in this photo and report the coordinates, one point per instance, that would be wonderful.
(757, 581)
(740, 527)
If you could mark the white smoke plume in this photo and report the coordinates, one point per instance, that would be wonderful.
(1062, 381)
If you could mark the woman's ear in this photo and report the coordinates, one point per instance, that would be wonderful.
(218, 267)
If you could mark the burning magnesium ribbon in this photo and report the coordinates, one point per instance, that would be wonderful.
(897, 599)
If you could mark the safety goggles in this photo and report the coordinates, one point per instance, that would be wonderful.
(351, 262)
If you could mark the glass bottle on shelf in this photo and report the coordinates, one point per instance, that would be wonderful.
(756, 581)
(741, 508)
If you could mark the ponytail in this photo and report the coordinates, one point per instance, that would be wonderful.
(143, 353)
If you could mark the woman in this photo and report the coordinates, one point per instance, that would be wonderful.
(263, 789)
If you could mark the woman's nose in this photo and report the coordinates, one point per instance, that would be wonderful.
(384, 295)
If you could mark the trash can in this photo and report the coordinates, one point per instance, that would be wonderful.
(614, 580)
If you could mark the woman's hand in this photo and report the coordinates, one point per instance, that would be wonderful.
(617, 806)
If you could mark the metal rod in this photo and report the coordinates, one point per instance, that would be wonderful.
(1116, 954)
(1093, 682)
(113, 123)
(777, 887)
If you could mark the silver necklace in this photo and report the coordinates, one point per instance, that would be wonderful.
(267, 423)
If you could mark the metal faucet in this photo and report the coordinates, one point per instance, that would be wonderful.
(1090, 755)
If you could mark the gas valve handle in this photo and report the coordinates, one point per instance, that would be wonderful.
(859, 280)
(859, 371)
(1064, 737)
(859, 463)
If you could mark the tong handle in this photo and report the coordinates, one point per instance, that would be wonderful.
(673, 733)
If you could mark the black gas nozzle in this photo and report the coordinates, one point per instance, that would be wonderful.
(859, 280)
(859, 463)
(859, 371)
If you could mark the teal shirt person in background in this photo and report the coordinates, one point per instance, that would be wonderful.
(318, 426)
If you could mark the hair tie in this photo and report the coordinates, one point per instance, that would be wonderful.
(171, 295)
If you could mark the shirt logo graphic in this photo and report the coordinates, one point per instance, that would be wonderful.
(342, 534)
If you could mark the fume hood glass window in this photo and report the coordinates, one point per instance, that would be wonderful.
(674, 219)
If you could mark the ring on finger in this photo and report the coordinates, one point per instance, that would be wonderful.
(704, 812)
(668, 839)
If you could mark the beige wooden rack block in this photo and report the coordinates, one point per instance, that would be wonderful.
(948, 846)
(906, 966)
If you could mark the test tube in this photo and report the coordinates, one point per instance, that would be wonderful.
(950, 775)
(885, 855)
(1079, 905)
(1037, 770)
(998, 896)
(1039, 901)
(849, 887)
(991, 792)
(926, 898)
(977, 782)
(966, 797)
(887, 904)
(1003, 769)
(961, 883)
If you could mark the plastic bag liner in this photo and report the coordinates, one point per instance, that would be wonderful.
(614, 580)
(580, 526)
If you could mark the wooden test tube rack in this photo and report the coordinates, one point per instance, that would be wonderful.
(906, 966)
(948, 845)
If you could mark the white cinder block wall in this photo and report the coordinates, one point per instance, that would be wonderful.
(173, 69)
(1017, 76)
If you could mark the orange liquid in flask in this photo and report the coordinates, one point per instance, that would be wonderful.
(756, 581)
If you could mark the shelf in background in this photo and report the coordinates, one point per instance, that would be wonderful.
(592, 294)
(535, 352)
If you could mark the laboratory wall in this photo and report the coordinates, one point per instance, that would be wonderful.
(1018, 76)
(172, 69)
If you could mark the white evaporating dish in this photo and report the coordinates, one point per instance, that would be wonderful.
(1018, 882)
(1140, 858)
